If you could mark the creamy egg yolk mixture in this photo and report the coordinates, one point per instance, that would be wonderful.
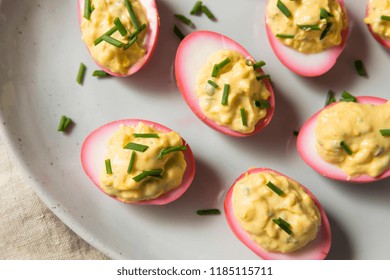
(237, 96)
(126, 185)
(309, 26)
(379, 17)
(256, 206)
(358, 126)
(104, 12)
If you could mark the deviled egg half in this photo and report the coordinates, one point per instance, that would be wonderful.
(120, 35)
(378, 21)
(349, 141)
(307, 36)
(276, 217)
(138, 161)
(223, 85)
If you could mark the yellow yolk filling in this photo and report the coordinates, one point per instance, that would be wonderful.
(377, 9)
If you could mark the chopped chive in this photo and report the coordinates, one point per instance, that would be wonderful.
(223, 63)
(360, 69)
(285, 36)
(249, 62)
(122, 30)
(324, 14)
(147, 173)
(132, 15)
(184, 19)
(131, 162)
(168, 150)
(67, 122)
(113, 41)
(383, 17)
(108, 166)
(283, 225)
(326, 30)
(243, 117)
(347, 97)
(81, 74)
(262, 104)
(130, 43)
(62, 123)
(208, 13)
(136, 147)
(197, 8)
(330, 98)
(87, 9)
(346, 148)
(274, 188)
(214, 85)
(258, 64)
(283, 8)
(261, 77)
(146, 135)
(215, 71)
(108, 33)
(225, 95)
(178, 32)
(309, 27)
(385, 132)
(138, 31)
(204, 212)
(296, 132)
(100, 73)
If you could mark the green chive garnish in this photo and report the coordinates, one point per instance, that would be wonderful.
(324, 14)
(122, 30)
(223, 63)
(283, 9)
(147, 173)
(100, 73)
(346, 148)
(138, 31)
(130, 43)
(108, 166)
(262, 104)
(385, 132)
(133, 17)
(274, 188)
(87, 9)
(283, 225)
(258, 64)
(146, 135)
(330, 98)
(309, 27)
(168, 150)
(285, 36)
(81, 74)
(178, 32)
(64, 123)
(131, 163)
(326, 30)
(347, 97)
(360, 69)
(214, 85)
(385, 17)
(113, 41)
(225, 95)
(296, 132)
(197, 8)
(204, 212)
(136, 147)
(208, 13)
(261, 77)
(184, 19)
(243, 117)
(108, 33)
(215, 71)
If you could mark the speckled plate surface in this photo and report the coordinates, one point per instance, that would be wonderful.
(40, 53)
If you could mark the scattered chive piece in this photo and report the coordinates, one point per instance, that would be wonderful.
(330, 98)
(385, 132)
(130, 43)
(249, 62)
(64, 123)
(131, 163)
(283, 9)
(347, 97)
(262, 104)
(138, 31)
(243, 117)
(204, 212)
(146, 135)
(261, 77)
(108, 166)
(225, 95)
(309, 27)
(285, 36)
(274, 188)
(326, 30)
(184, 19)
(133, 17)
(147, 173)
(100, 73)
(258, 64)
(223, 63)
(113, 41)
(208, 13)
(168, 150)
(346, 148)
(122, 30)
(283, 225)
(215, 71)
(136, 147)
(108, 33)
(81, 74)
(296, 132)
(178, 32)
(324, 14)
(385, 17)
(360, 69)
(214, 85)
(87, 9)
(197, 8)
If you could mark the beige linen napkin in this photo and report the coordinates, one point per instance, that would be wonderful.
(28, 229)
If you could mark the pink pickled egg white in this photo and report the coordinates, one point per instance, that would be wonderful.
(192, 54)
(152, 29)
(383, 42)
(306, 145)
(317, 249)
(93, 155)
(307, 65)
